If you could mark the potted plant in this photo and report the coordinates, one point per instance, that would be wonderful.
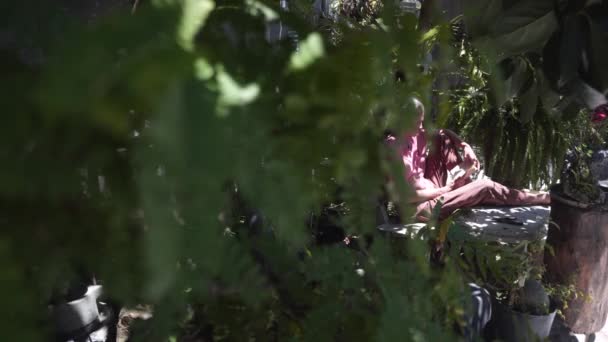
(77, 313)
(527, 314)
(578, 233)
(521, 306)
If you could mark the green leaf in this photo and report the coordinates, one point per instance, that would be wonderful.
(551, 60)
(202, 69)
(598, 51)
(430, 34)
(518, 78)
(258, 7)
(523, 14)
(530, 37)
(496, 78)
(310, 50)
(570, 50)
(194, 14)
(480, 15)
(522, 28)
(566, 108)
(548, 97)
(528, 103)
(162, 239)
(586, 94)
(482, 266)
(232, 93)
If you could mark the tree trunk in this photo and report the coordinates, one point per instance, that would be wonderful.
(579, 238)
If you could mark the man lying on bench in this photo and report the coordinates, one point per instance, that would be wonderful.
(427, 173)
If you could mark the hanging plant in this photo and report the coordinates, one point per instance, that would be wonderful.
(517, 127)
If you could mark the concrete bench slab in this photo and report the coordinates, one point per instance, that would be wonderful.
(405, 230)
(489, 224)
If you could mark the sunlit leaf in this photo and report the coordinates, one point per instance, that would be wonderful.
(232, 93)
(267, 12)
(194, 14)
(204, 70)
(310, 50)
(430, 34)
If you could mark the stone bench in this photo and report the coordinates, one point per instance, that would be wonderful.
(488, 224)
(404, 230)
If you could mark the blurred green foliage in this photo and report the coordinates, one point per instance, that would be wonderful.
(145, 145)
(183, 159)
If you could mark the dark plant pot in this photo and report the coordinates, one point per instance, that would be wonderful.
(80, 316)
(512, 326)
(578, 255)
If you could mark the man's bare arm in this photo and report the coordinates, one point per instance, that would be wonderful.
(424, 195)
(424, 192)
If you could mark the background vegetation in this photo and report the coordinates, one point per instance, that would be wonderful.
(179, 156)
(523, 75)
(172, 151)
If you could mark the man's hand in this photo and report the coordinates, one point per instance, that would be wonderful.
(426, 190)
(462, 179)
(449, 186)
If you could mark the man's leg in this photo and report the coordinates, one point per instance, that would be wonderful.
(442, 158)
(482, 192)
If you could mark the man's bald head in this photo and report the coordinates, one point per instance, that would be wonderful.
(419, 110)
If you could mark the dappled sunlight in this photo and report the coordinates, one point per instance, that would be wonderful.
(504, 224)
